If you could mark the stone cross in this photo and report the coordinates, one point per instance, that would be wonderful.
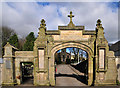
(70, 16)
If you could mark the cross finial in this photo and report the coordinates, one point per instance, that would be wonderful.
(70, 16)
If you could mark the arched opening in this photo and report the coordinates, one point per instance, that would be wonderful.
(26, 72)
(79, 45)
(71, 63)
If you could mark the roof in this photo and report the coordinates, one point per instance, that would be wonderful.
(115, 46)
(8, 44)
(71, 28)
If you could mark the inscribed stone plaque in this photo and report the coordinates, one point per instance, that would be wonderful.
(41, 58)
(41, 76)
(101, 58)
(8, 64)
(101, 76)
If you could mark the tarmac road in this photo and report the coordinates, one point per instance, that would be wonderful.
(65, 76)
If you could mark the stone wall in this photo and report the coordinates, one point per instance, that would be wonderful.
(22, 56)
(118, 66)
(71, 35)
(111, 74)
(0, 73)
(1, 62)
(8, 77)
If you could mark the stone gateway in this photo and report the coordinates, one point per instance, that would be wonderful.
(101, 62)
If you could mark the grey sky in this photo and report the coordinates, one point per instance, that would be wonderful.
(25, 17)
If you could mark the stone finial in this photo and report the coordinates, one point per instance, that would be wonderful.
(99, 23)
(8, 43)
(42, 25)
(71, 23)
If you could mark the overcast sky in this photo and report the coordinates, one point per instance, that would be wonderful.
(25, 17)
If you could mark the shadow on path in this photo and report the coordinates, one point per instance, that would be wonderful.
(82, 67)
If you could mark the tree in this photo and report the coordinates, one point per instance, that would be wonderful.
(13, 40)
(21, 43)
(75, 51)
(6, 34)
(28, 46)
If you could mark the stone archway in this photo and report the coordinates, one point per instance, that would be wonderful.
(92, 41)
(66, 45)
(49, 41)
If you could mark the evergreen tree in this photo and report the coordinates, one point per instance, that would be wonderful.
(13, 40)
(28, 46)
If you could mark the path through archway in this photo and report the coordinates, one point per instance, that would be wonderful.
(71, 67)
(68, 45)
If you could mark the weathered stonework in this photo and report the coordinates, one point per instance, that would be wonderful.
(49, 42)
(22, 56)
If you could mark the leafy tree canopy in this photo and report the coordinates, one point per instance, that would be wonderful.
(28, 46)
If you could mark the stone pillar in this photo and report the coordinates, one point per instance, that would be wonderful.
(101, 54)
(101, 63)
(106, 71)
(41, 68)
(117, 60)
(8, 70)
(40, 57)
(0, 74)
(118, 67)
(101, 66)
(52, 71)
(18, 72)
(90, 70)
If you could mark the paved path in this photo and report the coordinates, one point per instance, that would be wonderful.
(65, 76)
